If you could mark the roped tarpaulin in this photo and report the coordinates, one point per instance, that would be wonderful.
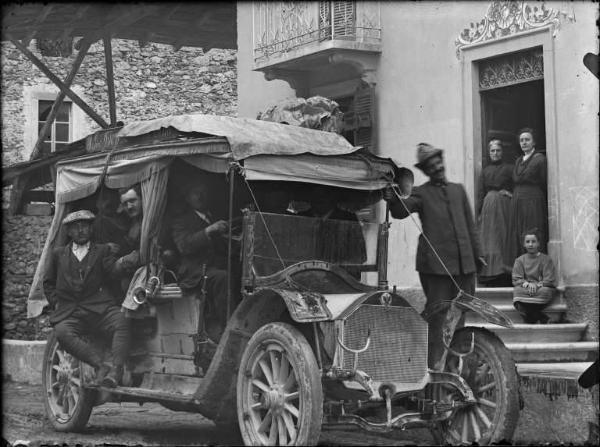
(344, 172)
(76, 182)
(249, 137)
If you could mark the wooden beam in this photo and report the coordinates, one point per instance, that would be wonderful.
(39, 19)
(110, 80)
(16, 193)
(178, 44)
(61, 85)
(59, 99)
(208, 15)
(124, 17)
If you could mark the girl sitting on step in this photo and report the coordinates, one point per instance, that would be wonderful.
(534, 280)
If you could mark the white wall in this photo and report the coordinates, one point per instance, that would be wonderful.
(255, 93)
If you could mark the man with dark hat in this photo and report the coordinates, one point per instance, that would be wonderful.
(76, 284)
(447, 221)
(199, 240)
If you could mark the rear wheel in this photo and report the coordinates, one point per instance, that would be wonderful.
(279, 391)
(491, 373)
(68, 405)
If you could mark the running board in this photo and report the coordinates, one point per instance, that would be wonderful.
(148, 395)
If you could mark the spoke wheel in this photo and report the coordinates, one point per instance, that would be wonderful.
(279, 391)
(68, 405)
(491, 373)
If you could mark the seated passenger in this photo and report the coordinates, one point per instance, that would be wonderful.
(272, 197)
(534, 280)
(110, 226)
(339, 244)
(324, 205)
(203, 254)
(129, 254)
(75, 283)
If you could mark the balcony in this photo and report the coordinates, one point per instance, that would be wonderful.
(300, 38)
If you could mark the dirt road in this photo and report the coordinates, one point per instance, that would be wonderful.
(148, 425)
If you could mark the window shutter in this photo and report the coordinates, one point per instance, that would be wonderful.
(324, 20)
(364, 106)
(344, 19)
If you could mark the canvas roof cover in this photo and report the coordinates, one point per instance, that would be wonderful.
(268, 151)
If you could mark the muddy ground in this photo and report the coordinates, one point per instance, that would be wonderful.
(147, 425)
(561, 421)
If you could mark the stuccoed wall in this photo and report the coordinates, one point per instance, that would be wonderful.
(150, 82)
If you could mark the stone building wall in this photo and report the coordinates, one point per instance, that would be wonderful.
(150, 82)
(22, 243)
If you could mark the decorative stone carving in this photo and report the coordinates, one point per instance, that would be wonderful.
(511, 69)
(504, 18)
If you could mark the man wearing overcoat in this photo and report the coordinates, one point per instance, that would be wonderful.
(447, 221)
(76, 284)
(199, 240)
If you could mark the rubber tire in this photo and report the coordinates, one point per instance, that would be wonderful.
(302, 359)
(87, 399)
(503, 366)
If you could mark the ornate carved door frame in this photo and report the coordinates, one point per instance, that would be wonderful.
(470, 56)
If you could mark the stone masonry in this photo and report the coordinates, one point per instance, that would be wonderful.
(150, 82)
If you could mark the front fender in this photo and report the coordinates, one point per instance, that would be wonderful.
(484, 309)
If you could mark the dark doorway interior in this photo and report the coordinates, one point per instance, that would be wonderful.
(508, 109)
(505, 111)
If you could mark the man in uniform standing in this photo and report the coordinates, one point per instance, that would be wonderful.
(447, 222)
(76, 284)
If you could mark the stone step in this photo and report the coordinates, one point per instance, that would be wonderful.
(537, 333)
(503, 295)
(495, 295)
(555, 311)
(578, 351)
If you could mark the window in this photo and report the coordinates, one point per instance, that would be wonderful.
(59, 134)
(358, 116)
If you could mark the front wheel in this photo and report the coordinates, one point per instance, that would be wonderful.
(491, 373)
(279, 390)
(68, 405)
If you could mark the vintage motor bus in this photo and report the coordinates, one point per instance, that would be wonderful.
(315, 336)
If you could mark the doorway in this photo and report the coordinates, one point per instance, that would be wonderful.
(505, 110)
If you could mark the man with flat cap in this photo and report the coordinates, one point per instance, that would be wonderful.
(76, 284)
(447, 221)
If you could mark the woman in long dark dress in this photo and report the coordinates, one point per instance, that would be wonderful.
(530, 206)
(494, 207)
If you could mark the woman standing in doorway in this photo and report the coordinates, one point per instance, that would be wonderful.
(494, 207)
(530, 207)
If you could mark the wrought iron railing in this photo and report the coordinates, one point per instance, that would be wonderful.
(281, 27)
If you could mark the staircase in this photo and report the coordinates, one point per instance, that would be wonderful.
(555, 350)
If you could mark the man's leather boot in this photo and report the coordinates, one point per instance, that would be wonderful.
(101, 373)
(113, 378)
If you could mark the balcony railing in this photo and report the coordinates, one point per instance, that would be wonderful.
(280, 28)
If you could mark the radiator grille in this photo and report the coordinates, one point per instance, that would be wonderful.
(398, 350)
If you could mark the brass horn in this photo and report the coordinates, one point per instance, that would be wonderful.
(405, 179)
(141, 294)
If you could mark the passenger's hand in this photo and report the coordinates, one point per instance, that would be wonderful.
(113, 247)
(219, 227)
(506, 193)
(388, 193)
(129, 261)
